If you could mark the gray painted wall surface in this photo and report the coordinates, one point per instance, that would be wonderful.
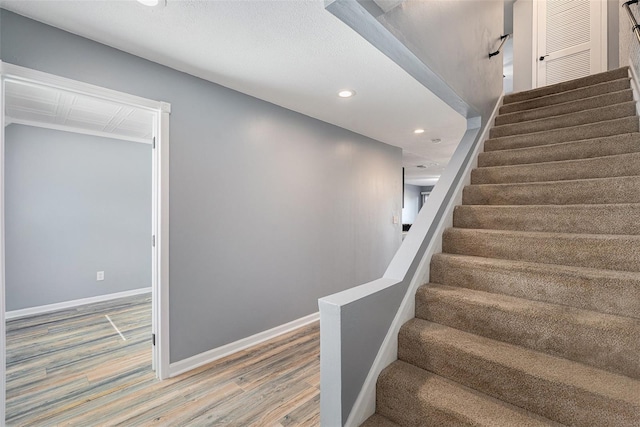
(522, 45)
(454, 38)
(625, 35)
(412, 202)
(629, 48)
(269, 209)
(75, 205)
(613, 30)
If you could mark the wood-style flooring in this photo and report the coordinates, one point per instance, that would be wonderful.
(71, 368)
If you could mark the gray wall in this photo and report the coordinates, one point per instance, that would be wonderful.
(613, 30)
(625, 35)
(75, 205)
(412, 203)
(629, 49)
(269, 209)
(522, 45)
(629, 52)
(454, 38)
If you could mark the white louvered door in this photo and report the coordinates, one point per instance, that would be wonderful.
(571, 39)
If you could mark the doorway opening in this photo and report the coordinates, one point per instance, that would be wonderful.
(34, 102)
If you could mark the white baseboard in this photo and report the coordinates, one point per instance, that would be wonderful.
(198, 360)
(635, 87)
(14, 314)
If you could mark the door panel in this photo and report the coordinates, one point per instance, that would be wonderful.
(570, 39)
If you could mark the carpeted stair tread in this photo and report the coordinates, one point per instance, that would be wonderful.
(568, 392)
(606, 291)
(574, 133)
(597, 114)
(596, 167)
(573, 150)
(590, 80)
(571, 192)
(566, 107)
(563, 97)
(605, 341)
(532, 311)
(620, 218)
(608, 252)
(377, 420)
(414, 397)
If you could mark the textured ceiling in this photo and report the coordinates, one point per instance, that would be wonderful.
(53, 108)
(292, 53)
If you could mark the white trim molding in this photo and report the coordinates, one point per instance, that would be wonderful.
(634, 86)
(31, 311)
(30, 76)
(161, 254)
(72, 129)
(3, 332)
(198, 360)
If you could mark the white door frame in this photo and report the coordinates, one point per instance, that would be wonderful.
(534, 40)
(160, 209)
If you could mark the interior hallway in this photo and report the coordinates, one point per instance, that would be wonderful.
(71, 367)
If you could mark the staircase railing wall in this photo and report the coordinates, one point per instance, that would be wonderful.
(358, 327)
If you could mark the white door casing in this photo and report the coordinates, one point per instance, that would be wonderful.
(570, 40)
(2, 300)
(160, 200)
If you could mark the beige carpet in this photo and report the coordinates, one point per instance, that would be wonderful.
(532, 313)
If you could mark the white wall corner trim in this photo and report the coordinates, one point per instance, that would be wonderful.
(364, 405)
(31, 311)
(198, 360)
(635, 87)
(3, 336)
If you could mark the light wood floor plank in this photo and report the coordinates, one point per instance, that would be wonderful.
(71, 368)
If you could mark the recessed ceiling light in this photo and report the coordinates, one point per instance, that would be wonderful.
(436, 140)
(347, 93)
(153, 3)
(418, 131)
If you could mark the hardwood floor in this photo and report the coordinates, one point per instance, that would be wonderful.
(71, 368)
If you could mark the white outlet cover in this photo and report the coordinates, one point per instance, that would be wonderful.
(100, 275)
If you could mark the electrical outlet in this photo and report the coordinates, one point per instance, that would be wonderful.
(100, 275)
(396, 220)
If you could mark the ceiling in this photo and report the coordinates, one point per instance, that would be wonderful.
(42, 106)
(292, 53)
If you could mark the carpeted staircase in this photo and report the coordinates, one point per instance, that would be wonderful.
(532, 316)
